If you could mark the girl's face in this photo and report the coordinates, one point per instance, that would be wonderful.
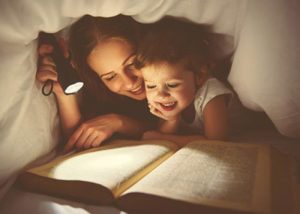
(113, 61)
(170, 88)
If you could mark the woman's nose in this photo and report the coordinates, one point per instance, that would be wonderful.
(129, 80)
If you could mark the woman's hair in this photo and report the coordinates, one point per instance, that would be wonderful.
(85, 34)
(172, 40)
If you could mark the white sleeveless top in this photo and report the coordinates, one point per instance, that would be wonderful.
(211, 89)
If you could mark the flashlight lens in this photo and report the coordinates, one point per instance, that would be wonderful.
(74, 88)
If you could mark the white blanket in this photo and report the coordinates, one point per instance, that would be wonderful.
(265, 71)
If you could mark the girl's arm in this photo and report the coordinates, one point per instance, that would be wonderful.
(169, 126)
(215, 125)
(216, 118)
(166, 124)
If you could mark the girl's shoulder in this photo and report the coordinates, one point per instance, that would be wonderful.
(211, 87)
(209, 90)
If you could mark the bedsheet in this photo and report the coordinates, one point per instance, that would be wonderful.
(265, 70)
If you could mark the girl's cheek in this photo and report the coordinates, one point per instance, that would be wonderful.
(149, 96)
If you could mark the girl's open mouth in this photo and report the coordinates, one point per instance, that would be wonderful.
(168, 106)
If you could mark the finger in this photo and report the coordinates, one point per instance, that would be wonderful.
(156, 105)
(45, 49)
(46, 60)
(155, 112)
(97, 141)
(72, 140)
(90, 140)
(48, 67)
(44, 74)
(82, 139)
(158, 113)
(145, 136)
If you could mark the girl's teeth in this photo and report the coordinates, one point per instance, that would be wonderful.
(168, 104)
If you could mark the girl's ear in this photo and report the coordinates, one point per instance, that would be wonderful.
(201, 76)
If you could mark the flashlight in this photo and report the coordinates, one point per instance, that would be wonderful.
(67, 76)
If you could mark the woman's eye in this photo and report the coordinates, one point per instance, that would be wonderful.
(129, 67)
(110, 77)
(173, 85)
(150, 86)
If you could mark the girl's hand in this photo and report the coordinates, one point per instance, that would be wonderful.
(93, 132)
(47, 69)
(154, 109)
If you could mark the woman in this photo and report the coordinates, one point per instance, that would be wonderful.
(103, 52)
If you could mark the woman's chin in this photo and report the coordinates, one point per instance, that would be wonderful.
(140, 96)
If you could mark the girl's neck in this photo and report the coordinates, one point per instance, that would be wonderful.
(188, 114)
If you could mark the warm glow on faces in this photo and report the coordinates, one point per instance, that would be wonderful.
(172, 87)
(113, 60)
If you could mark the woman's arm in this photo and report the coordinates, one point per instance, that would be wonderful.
(133, 127)
(68, 108)
(69, 113)
(93, 132)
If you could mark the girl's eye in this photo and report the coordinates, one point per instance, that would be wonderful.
(173, 85)
(150, 86)
(109, 77)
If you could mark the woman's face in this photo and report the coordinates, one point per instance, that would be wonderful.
(113, 61)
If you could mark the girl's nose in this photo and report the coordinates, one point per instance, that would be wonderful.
(163, 92)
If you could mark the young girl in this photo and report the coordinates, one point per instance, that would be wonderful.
(175, 64)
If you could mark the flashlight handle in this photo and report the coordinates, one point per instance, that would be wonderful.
(65, 72)
(57, 55)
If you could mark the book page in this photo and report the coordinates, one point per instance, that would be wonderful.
(111, 165)
(228, 175)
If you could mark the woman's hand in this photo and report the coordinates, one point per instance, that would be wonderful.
(47, 69)
(93, 132)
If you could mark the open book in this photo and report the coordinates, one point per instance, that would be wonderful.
(158, 177)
